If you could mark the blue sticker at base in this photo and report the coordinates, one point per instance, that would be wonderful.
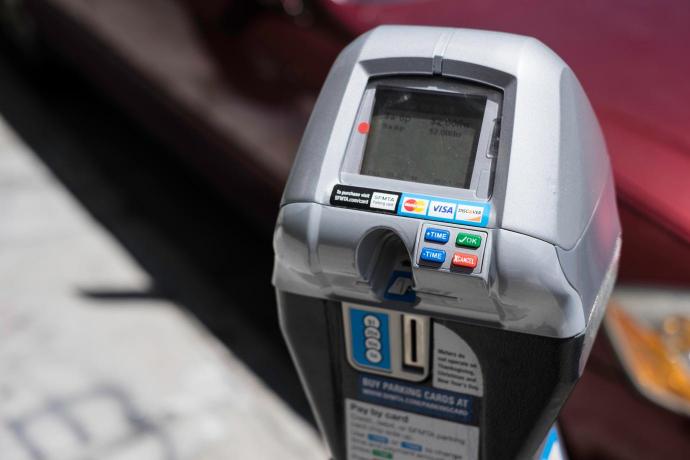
(419, 399)
(552, 447)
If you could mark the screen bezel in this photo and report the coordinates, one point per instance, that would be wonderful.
(371, 153)
(485, 158)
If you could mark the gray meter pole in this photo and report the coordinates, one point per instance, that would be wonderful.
(446, 245)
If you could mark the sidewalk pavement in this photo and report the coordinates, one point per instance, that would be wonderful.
(95, 367)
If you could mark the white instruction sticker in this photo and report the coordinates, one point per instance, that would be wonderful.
(456, 367)
(385, 201)
(377, 432)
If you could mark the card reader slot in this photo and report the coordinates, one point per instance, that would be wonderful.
(384, 263)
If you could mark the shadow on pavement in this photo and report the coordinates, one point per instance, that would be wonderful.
(201, 251)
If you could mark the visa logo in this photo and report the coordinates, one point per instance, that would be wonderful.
(442, 209)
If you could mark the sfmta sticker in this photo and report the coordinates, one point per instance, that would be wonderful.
(384, 201)
(365, 199)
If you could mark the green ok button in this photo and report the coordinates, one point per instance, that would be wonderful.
(468, 240)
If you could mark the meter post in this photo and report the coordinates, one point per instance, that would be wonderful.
(446, 245)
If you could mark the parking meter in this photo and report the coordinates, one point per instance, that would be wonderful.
(446, 245)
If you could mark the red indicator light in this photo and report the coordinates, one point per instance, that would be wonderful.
(363, 127)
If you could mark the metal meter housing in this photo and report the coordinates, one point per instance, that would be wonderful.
(515, 248)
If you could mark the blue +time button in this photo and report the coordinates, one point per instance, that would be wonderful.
(431, 256)
(436, 235)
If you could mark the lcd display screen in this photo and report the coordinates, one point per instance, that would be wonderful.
(423, 136)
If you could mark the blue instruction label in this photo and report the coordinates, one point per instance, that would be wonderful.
(424, 400)
(370, 339)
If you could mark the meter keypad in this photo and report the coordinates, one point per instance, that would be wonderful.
(452, 249)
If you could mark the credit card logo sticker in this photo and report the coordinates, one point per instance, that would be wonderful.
(411, 205)
(385, 201)
(467, 213)
(442, 209)
(415, 206)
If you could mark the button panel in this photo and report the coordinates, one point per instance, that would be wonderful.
(453, 249)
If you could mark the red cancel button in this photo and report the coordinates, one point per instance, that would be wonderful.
(464, 260)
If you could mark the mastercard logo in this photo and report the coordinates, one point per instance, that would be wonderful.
(415, 206)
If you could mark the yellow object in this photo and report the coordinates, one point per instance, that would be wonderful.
(657, 359)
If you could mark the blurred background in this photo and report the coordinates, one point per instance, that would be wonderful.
(144, 146)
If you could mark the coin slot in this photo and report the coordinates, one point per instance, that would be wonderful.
(415, 342)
